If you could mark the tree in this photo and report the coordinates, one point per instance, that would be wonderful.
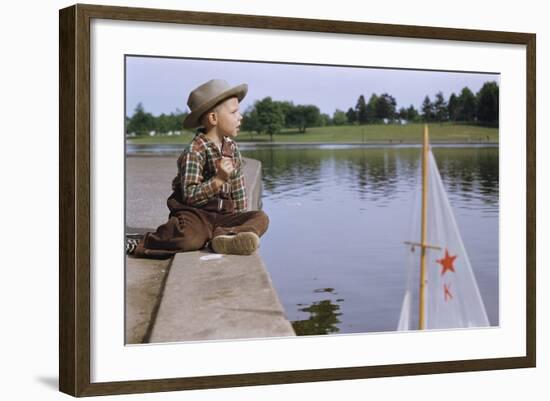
(440, 108)
(251, 121)
(339, 117)
(324, 120)
(385, 107)
(270, 116)
(287, 108)
(141, 122)
(371, 108)
(453, 107)
(466, 105)
(361, 110)
(305, 116)
(176, 120)
(427, 109)
(351, 115)
(402, 113)
(487, 103)
(162, 123)
(412, 113)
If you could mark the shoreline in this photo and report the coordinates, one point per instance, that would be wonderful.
(165, 150)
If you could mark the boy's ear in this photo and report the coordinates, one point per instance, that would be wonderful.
(212, 118)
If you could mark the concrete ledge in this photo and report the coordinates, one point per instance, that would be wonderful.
(144, 283)
(227, 298)
(252, 170)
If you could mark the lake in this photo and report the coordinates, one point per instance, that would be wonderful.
(339, 216)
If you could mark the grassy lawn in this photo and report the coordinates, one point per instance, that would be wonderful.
(450, 133)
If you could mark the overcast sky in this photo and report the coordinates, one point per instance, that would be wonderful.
(162, 85)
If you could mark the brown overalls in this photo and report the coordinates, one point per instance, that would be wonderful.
(190, 228)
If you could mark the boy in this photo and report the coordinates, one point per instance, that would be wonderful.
(209, 202)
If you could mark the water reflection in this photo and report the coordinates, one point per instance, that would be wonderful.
(377, 174)
(470, 175)
(323, 319)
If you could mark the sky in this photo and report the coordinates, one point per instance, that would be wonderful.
(163, 85)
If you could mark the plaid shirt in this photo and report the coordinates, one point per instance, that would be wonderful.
(197, 167)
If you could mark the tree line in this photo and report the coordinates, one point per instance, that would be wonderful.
(466, 107)
(480, 108)
(143, 123)
(268, 116)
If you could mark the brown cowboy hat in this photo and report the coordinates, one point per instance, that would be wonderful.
(209, 94)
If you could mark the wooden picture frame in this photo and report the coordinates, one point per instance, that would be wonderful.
(75, 199)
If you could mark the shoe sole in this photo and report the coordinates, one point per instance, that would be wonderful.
(240, 244)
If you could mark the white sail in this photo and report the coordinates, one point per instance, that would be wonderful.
(452, 298)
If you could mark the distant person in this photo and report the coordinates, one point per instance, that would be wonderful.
(208, 206)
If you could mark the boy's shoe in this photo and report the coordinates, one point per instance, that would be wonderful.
(131, 246)
(239, 244)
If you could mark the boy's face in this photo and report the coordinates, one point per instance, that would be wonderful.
(229, 118)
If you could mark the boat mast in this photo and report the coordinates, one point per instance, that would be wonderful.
(424, 226)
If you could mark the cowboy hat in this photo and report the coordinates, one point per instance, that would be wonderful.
(208, 95)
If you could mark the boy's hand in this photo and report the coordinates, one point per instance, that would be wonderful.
(225, 168)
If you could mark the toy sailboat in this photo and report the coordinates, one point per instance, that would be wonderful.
(443, 293)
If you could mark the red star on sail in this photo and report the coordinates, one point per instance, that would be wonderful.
(447, 262)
